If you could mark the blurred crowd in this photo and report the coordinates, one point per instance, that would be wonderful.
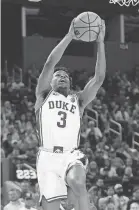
(113, 170)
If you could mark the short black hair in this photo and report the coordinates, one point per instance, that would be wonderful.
(62, 68)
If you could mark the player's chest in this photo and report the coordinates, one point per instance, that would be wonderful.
(67, 104)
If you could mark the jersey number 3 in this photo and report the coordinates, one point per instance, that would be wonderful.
(62, 123)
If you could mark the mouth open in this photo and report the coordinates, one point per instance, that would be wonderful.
(62, 81)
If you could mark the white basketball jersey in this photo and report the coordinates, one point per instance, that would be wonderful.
(59, 121)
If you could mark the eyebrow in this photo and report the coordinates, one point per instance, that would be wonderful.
(65, 74)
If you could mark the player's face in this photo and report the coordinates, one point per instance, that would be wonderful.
(60, 80)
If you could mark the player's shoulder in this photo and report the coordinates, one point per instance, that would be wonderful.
(74, 94)
(41, 98)
(78, 96)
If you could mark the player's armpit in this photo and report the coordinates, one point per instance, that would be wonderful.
(90, 90)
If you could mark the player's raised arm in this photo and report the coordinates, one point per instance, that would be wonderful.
(92, 87)
(45, 77)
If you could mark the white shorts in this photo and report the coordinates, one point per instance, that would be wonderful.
(51, 172)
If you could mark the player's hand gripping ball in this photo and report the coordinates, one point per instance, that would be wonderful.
(101, 35)
(87, 26)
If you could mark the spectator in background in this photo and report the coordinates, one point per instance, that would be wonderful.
(29, 203)
(136, 193)
(89, 153)
(27, 77)
(14, 198)
(97, 105)
(101, 187)
(93, 134)
(121, 201)
(36, 195)
(25, 186)
(99, 157)
(104, 118)
(124, 150)
(6, 110)
(113, 107)
(84, 134)
(116, 162)
(14, 132)
(17, 84)
(121, 96)
(122, 115)
(6, 144)
(129, 162)
(92, 172)
(93, 195)
(135, 117)
(22, 123)
(134, 205)
(24, 104)
(31, 156)
(107, 171)
(14, 154)
(128, 174)
(134, 198)
(104, 203)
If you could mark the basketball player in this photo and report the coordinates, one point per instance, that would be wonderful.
(58, 112)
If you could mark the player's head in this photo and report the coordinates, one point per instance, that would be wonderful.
(61, 80)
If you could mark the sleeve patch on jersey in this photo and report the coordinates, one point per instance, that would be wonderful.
(72, 99)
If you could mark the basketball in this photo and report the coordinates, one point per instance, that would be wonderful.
(86, 26)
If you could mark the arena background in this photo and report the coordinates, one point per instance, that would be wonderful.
(29, 32)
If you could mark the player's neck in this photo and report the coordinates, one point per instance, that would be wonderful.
(63, 91)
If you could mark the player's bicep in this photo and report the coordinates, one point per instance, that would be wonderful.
(44, 80)
(90, 90)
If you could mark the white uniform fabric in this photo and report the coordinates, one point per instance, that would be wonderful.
(59, 121)
(51, 171)
(58, 127)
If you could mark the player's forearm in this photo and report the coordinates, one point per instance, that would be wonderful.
(48, 69)
(100, 69)
(58, 51)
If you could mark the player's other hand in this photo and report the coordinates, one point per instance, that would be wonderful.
(71, 30)
(101, 35)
